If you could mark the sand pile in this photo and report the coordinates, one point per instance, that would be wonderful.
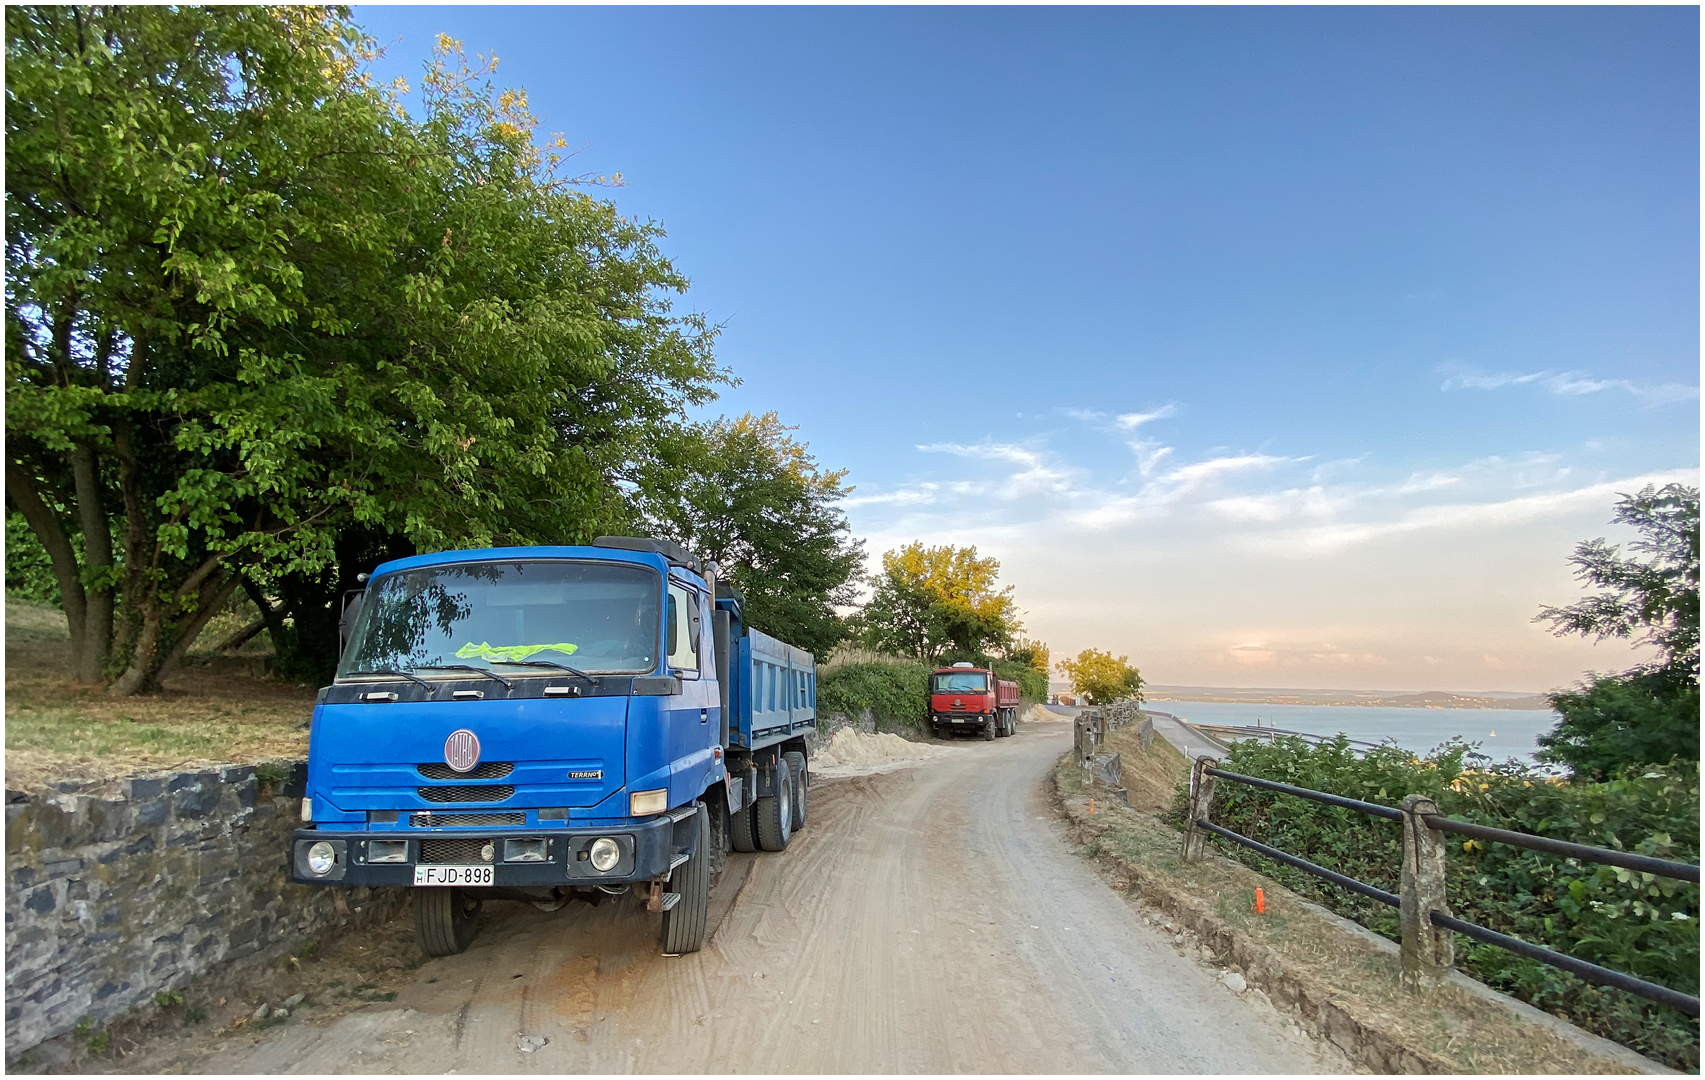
(854, 753)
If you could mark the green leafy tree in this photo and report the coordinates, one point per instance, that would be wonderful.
(1651, 712)
(251, 302)
(752, 498)
(1102, 677)
(929, 601)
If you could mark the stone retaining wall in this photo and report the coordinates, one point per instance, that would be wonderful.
(117, 892)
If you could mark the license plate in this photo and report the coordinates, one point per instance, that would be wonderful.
(453, 875)
(958, 719)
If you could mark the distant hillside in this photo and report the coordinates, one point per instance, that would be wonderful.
(1398, 699)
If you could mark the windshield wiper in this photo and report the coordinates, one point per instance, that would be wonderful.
(507, 685)
(550, 664)
(430, 689)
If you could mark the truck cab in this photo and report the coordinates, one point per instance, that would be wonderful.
(543, 724)
(967, 698)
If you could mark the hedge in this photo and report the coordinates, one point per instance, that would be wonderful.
(1637, 923)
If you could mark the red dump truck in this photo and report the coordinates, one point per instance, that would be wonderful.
(968, 698)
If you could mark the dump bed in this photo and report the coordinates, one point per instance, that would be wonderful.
(770, 686)
(1006, 694)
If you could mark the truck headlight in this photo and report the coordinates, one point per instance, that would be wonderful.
(606, 853)
(641, 803)
(321, 858)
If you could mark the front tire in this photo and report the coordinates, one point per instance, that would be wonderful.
(684, 924)
(445, 920)
(774, 813)
(801, 779)
(989, 729)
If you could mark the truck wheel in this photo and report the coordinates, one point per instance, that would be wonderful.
(684, 924)
(774, 813)
(445, 920)
(796, 765)
(989, 729)
(742, 832)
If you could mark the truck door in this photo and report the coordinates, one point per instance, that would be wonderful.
(690, 720)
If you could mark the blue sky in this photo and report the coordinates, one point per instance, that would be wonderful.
(1270, 347)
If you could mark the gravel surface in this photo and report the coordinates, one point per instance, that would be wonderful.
(928, 920)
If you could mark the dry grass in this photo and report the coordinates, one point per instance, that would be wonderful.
(844, 655)
(217, 711)
(1296, 952)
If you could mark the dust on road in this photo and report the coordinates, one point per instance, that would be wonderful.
(926, 920)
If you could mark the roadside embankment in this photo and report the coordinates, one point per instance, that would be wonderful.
(1338, 979)
(122, 893)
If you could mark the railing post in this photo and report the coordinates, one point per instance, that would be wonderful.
(1428, 951)
(1201, 806)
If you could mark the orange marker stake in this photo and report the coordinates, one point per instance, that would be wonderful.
(1092, 804)
(1260, 902)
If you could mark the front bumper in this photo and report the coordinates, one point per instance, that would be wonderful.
(647, 848)
(964, 720)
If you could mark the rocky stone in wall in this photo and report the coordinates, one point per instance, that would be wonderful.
(117, 892)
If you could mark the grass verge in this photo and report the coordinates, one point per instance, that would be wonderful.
(57, 730)
(1336, 978)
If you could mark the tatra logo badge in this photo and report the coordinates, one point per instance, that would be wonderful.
(462, 750)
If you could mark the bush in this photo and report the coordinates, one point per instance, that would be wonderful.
(29, 572)
(1632, 922)
(1612, 722)
(896, 694)
(1032, 684)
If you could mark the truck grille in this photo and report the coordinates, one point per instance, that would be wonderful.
(457, 852)
(429, 820)
(485, 770)
(467, 793)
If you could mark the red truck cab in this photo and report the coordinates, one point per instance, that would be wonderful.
(968, 698)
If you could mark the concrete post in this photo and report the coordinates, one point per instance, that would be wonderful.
(1428, 951)
(1201, 807)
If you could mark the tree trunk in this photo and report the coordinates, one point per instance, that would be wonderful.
(91, 659)
(213, 597)
(20, 485)
(139, 674)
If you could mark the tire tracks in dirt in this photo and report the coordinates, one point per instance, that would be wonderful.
(927, 920)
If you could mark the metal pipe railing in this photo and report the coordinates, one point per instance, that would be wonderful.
(1425, 895)
(1591, 972)
(1303, 864)
(1372, 809)
(1628, 860)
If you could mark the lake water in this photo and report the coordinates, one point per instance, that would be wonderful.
(1501, 733)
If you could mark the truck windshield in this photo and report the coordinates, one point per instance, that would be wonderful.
(960, 682)
(601, 618)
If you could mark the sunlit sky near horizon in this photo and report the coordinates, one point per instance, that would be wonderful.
(1268, 346)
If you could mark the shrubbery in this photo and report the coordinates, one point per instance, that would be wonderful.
(1644, 925)
(896, 693)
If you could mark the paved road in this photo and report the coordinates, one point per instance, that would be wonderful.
(927, 920)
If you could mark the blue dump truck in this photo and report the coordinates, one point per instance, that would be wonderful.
(553, 724)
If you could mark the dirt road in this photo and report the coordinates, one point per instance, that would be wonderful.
(927, 920)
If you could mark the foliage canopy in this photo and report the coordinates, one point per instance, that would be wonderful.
(928, 601)
(1102, 677)
(1649, 713)
(252, 302)
(750, 497)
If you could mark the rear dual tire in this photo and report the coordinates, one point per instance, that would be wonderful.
(797, 767)
(774, 813)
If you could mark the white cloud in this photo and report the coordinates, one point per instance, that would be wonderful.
(1134, 420)
(1334, 538)
(1564, 384)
